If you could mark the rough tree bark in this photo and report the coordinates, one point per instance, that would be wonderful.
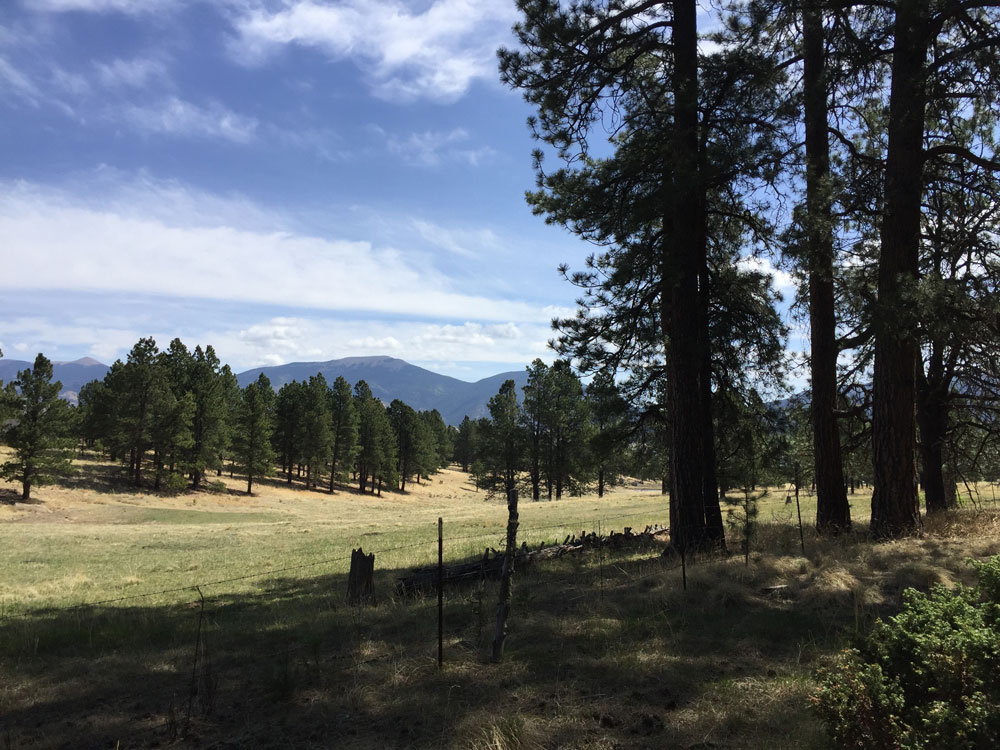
(894, 502)
(833, 513)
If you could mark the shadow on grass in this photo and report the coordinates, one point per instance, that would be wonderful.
(9, 496)
(604, 650)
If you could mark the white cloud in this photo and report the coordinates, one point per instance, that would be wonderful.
(320, 339)
(65, 242)
(174, 116)
(783, 281)
(431, 148)
(436, 52)
(135, 73)
(17, 83)
(131, 7)
(468, 243)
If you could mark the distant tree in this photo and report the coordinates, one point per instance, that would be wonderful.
(208, 385)
(232, 395)
(609, 436)
(94, 413)
(343, 428)
(465, 442)
(386, 472)
(40, 429)
(376, 457)
(252, 444)
(406, 426)
(441, 439)
(503, 442)
(137, 390)
(317, 436)
(534, 412)
(170, 434)
(289, 412)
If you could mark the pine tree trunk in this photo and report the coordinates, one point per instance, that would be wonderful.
(833, 514)
(600, 482)
(894, 502)
(683, 256)
(715, 533)
(932, 417)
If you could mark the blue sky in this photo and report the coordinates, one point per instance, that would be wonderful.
(284, 179)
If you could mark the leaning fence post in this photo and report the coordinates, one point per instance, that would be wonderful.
(798, 508)
(503, 607)
(440, 592)
(194, 666)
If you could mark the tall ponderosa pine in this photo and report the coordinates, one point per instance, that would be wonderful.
(40, 433)
(533, 416)
(289, 413)
(252, 437)
(609, 437)
(376, 458)
(465, 442)
(832, 510)
(317, 436)
(343, 429)
(939, 51)
(503, 442)
(637, 66)
(139, 387)
(208, 387)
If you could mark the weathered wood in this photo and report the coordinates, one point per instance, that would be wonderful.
(360, 583)
(506, 577)
(490, 564)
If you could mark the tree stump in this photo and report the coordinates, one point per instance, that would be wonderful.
(360, 586)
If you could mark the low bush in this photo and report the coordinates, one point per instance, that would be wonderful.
(927, 678)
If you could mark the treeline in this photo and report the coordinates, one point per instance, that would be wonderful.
(559, 438)
(171, 417)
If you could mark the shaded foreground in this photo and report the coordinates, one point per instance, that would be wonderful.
(604, 651)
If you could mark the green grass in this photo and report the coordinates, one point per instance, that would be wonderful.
(605, 649)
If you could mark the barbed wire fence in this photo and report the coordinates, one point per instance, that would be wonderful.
(207, 640)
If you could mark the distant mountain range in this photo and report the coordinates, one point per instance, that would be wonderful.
(72, 375)
(388, 378)
(391, 378)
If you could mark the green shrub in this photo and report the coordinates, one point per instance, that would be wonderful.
(927, 678)
(175, 483)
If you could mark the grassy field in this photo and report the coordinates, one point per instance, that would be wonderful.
(606, 649)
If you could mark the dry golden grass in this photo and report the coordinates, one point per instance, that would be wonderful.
(606, 649)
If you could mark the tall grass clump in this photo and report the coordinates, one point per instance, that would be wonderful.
(928, 677)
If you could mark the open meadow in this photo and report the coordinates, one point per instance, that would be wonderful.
(213, 619)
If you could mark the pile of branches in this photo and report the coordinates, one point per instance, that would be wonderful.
(490, 565)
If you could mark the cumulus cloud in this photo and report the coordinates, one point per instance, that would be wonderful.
(783, 281)
(436, 52)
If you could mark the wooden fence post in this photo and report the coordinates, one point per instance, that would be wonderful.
(360, 586)
(440, 592)
(503, 607)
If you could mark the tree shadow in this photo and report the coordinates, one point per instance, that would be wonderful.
(10, 497)
(605, 652)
